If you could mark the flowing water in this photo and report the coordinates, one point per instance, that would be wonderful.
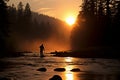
(25, 68)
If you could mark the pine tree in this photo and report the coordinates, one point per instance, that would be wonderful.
(116, 31)
(12, 15)
(27, 15)
(20, 17)
(20, 9)
(3, 25)
(27, 11)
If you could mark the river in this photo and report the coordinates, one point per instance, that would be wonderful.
(25, 68)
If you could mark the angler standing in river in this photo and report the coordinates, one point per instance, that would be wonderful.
(42, 50)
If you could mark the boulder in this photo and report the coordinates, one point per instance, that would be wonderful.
(56, 77)
(42, 69)
(75, 70)
(59, 69)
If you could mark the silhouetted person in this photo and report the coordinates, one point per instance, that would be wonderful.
(41, 50)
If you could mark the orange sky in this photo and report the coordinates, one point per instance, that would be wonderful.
(55, 8)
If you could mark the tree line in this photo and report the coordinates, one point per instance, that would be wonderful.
(3, 25)
(11, 19)
(27, 23)
(98, 25)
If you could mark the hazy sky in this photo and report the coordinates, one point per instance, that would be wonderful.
(55, 8)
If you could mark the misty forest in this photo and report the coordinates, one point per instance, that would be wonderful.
(96, 29)
(22, 28)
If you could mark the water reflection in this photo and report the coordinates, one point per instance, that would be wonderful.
(69, 76)
(68, 67)
(93, 71)
(68, 59)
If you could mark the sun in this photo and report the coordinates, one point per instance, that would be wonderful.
(70, 20)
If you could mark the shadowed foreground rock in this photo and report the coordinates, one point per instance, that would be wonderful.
(5, 78)
(56, 77)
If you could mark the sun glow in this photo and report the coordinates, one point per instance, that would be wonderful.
(70, 20)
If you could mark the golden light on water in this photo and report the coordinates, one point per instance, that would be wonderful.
(69, 76)
(68, 59)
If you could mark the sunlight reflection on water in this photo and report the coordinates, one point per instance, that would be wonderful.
(68, 59)
(25, 68)
(69, 76)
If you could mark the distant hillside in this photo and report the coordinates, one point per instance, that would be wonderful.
(53, 25)
(27, 35)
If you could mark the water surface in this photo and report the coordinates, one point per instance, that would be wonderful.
(25, 68)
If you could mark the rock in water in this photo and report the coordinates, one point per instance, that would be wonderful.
(56, 77)
(59, 69)
(42, 69)
(75, 70)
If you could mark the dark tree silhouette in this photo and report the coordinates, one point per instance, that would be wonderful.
(20, 9)
(27, 11)
(27, 23)
(116, 24)
(97, 26)
(20, 18)
(12, 16)
(20, 13)
(3, 26)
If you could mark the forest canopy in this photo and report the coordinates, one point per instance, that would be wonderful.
(97, 25)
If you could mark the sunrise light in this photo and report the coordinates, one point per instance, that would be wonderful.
(70, 20)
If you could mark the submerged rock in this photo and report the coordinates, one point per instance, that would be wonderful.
(56, 77)
(75, 70)
(59, 69)
(42, 69)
